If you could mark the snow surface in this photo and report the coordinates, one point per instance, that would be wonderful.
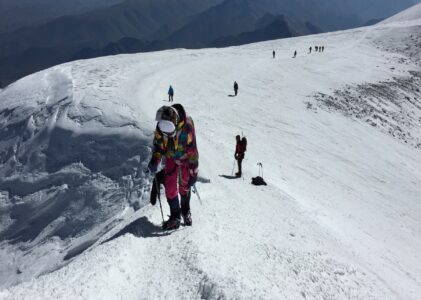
(412, 13)
(337, 132)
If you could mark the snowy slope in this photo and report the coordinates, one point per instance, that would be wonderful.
(338, 133)
(410, 14)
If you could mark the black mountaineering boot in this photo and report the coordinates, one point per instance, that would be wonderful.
(171, 224)
(174, 221)
(185, 209)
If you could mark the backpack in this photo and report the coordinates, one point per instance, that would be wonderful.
(244, 144)
(258, 181)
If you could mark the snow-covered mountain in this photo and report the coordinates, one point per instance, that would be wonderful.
(48, 33)
(412, 13)
(338, 134)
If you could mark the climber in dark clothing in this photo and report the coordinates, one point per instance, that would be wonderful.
(235, 88)
(170, 94)
(240, 149)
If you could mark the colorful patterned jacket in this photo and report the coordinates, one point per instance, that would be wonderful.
(182, 147)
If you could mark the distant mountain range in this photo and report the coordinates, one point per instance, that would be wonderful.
(15, 14)
(75, 29)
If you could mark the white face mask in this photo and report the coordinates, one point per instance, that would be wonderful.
(167, 127)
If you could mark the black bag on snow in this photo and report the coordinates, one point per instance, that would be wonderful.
(258, 181)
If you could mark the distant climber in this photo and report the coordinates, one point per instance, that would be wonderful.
(310, 50)
(273, 53)
(240, 149)
(170, 94)
(317, 48)
(175, 143)
(295, 54)
(235, 88)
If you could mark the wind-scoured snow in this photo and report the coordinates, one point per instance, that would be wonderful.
(338, 134)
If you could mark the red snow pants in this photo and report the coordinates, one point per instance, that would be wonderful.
(172, 186)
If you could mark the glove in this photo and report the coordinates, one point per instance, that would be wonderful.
(192, 177)
(154, 192)
(192, 181)
(156, 186)
(152, 166)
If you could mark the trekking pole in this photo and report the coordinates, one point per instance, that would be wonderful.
(194, 189)
(233, 166)
(159, 197)
(260, 168)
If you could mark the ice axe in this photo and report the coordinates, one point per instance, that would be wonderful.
(194, 189)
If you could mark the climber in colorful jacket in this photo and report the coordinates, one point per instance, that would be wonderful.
(175, 144)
